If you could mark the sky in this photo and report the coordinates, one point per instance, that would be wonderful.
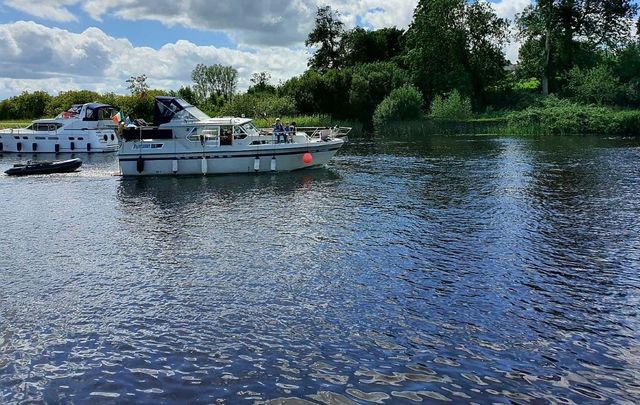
(59, 45)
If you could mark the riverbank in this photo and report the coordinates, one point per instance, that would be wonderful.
(559, 117)
(554, 117)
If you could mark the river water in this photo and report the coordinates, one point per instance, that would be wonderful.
(449, 269)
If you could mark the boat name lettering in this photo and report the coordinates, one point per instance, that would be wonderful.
(148, 146)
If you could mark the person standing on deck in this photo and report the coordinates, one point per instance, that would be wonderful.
(278, 130)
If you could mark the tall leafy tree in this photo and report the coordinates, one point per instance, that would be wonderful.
(260, 83)
(455, 44)
(215, 81)
(327, 38)
(364, 46)
(560, 34)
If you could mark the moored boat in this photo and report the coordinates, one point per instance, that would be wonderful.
(184, 140)
(44, 167)
(82, 128)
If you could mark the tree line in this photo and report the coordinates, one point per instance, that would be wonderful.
(448, 62)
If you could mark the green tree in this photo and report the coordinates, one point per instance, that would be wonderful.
(557, 33)
(404, 103)
(138, 85)
(65, 99)
(259, 105)
(363, 46)
(260, 83)
(327, 37)
(214, 82)
(452, 107)
(455, 44)
(370, 84)
(597, 85)
(27, 105)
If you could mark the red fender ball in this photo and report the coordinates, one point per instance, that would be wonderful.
(307, 158)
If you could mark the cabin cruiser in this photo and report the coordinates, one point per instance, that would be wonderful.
(82, 128)
(184, 140)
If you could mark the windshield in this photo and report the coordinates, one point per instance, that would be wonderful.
(197, 113)
(250, 128)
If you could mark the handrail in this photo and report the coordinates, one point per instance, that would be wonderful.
(317, 132)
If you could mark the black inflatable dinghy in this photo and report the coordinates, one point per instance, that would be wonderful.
(56, 166)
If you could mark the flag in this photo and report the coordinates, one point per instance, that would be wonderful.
(117, 118)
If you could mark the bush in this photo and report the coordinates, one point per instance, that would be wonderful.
(453, 107)
(596, 85)
(25, 106)
(259, 105)
(564, 117)
(404, 103)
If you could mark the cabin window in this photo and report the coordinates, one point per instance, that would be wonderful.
(44, 127)
(210, 134)
(238, 133)
(40, 138)
(53, 138)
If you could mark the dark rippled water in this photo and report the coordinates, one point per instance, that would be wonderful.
(453, 269)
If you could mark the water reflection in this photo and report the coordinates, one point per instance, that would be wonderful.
(446, 269)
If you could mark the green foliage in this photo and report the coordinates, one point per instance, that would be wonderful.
(138, 85)
(452, 107)
(597, 85)
(214, 82)
(370, 84)
(259, 105)
(260, 83)
(404, 103)
(65, 99)
(559, 35)
(327, 34)
(556, 116)
(316, 93)
(364, 46)
(26, 105)
(530, 84)
(455, 44)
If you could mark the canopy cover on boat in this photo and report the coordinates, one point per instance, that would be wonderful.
(168, 107)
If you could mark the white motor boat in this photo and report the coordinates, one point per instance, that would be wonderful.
(184, 140)
(82, 128)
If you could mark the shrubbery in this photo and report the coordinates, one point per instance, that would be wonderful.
(452, 107)
(404, 103)
(555, 116)
(258, 105)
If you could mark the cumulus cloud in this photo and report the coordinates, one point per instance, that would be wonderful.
(35, 56)
(248, 22)
(54, 10)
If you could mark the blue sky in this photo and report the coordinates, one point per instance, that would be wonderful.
(58, 45)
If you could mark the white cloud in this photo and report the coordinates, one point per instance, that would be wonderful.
(39, 57)
(248, 22)
(54, 10)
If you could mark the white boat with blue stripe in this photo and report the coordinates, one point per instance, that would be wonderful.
(185, 141)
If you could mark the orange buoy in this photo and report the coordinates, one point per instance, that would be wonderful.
(307, 158)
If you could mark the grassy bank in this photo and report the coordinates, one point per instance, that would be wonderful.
(552, 117)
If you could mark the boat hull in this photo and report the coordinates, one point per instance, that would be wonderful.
(226, 162)
(62, 141)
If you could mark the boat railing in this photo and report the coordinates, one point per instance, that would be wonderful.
(323, 133)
